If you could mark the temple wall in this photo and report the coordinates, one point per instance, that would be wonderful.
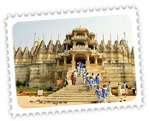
(22, 72)
(42, 74)
(119, 73)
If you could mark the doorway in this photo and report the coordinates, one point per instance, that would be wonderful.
(80, 58)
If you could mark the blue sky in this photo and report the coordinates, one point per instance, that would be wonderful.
(116, 24)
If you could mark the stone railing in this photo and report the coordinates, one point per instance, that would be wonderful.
(79, 38)
(80, 48)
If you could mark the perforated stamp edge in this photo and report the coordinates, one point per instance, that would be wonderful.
(15, 110)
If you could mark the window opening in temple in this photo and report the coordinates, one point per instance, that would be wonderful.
(80, 34)
(69, 59)
(61, 62)
(91, 60)
(99, 61)
(80, 44)
(90, 46)
(69, 47)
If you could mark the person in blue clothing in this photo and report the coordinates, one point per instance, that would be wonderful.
(87, 78)
(98, 79)
(104, 92)
(93, 79)
(78, 68)
(90, 83)
(80, 64)
(84, 78)
(98, 93)
(83, 70)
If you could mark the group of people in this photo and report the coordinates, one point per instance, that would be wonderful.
(74, 78)
(91, 80)
(81, 68)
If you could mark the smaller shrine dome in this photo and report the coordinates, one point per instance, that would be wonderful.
(80, 29)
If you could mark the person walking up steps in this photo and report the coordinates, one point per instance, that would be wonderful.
(104, 93)
(72, 78)
(65, 80)
(98, 79)
(83, 70)
(87, 78)
(78, 68)
(93, 77)
(98, 93)
(84, 78)
(90, 83)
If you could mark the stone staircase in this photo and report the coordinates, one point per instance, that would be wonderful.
(78, 93)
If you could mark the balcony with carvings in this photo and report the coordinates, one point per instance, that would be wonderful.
(80, 38)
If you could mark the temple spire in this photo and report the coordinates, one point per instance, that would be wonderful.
(34, 36)
(117, 38)
(124, 36)
(103, 36)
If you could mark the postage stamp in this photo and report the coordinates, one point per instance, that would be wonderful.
(74, 60)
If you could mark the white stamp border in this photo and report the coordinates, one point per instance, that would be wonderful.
(131, 11)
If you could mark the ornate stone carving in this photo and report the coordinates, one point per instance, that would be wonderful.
(102, 46)
(19, 53)
(50, 46)
(42, 48)
(117, 47)
(109, 46)
(34, 48)
(26, 53)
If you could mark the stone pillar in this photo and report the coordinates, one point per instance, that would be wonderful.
(87, 57)
(58, 62)
(94, 47)
(66, 47)
(95, 60)
(86, 45)
(87, 62)
(65, 62)
(74, 44)
(73, 62)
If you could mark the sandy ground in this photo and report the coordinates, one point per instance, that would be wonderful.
(28, 102)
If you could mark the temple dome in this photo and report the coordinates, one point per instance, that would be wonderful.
(80, 29)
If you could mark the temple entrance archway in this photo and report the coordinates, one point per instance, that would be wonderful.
(80, 58)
